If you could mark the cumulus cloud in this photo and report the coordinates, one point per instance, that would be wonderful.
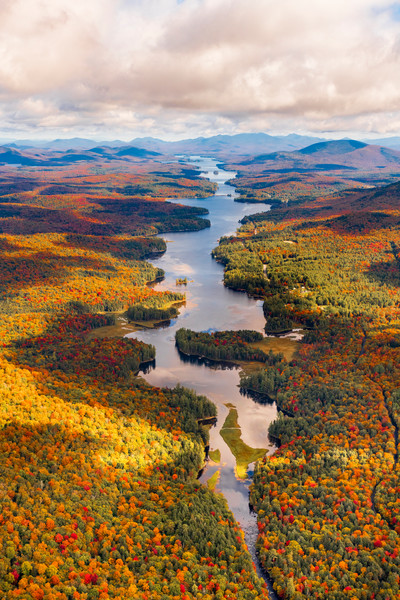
(118, 65)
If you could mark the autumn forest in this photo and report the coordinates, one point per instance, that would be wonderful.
(99, 488)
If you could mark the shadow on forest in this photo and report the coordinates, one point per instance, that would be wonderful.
(385, 273)
(16, 185)
(29, 220)
(7, 246)
(131, 249)
(116, 216)
(40, 441)
(361, 222)
(48, 268)
(54, 458)
(107, 366)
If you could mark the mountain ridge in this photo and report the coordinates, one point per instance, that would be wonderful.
(331, 155)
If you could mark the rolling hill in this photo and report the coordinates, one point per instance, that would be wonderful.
(242, 144)
(330, 155)
(44, 157)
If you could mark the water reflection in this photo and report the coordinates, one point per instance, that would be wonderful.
(210, 306)
(211, 364)
(257, 397)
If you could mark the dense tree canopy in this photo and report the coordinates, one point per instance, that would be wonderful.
(327, 501)
(98, 471)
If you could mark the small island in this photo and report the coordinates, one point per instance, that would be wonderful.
(220, 345)
(181, 281)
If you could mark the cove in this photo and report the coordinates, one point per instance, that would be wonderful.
(211, 306)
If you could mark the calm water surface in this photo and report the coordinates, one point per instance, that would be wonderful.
(209, 305)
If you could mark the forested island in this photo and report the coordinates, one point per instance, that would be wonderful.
(220, 345)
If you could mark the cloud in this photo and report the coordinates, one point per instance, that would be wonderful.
(118, 65)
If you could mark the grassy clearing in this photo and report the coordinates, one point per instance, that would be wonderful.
(215, 456)
(212, 482)
(120, 329)
(251, 367)
(277, 344)
(244, 455)
(287, 346)
(151, 324)
(231, 421)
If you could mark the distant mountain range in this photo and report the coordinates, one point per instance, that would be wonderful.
(247, 143)
(390, 142)
(329, 155)
(45, 157)
(242, 144)
(65, 144)
(290, 152)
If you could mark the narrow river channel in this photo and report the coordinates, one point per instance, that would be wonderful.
(211, 306)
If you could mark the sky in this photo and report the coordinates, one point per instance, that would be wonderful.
(175, 69)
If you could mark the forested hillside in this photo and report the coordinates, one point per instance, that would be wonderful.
(314, 171)
(99, 490)
(93, 199)
(327, 500)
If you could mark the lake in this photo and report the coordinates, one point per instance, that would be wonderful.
(211, 306)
